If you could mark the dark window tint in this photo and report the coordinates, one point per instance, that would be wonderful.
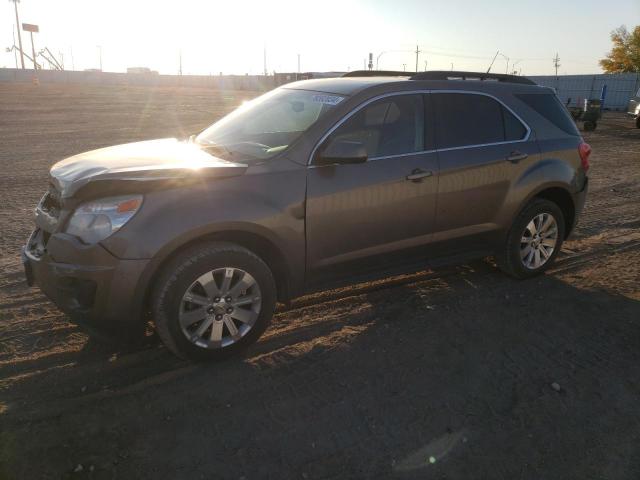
(513, 128)
(467, 119)
(550, 108)
(389, 126)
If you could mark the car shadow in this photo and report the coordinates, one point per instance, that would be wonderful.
(469, 374)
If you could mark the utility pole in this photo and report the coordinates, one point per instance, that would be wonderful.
(556, 63)
(417, 55)
(264, 59)
(15, 4)
(33, 52)
(15, 52)
(425, 65)
(404, 67)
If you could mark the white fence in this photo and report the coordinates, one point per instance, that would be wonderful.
(620, 87)
(231, 82)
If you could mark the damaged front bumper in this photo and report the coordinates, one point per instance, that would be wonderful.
(85, 281)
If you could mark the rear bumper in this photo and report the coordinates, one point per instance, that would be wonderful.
(579, 200)
(85, 281)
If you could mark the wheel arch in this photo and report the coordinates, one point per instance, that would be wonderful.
(257, 243)
(561, 196)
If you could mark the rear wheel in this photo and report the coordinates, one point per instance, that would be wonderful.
(212, 301)
(534, 240)
(638, 122)
(590, 126)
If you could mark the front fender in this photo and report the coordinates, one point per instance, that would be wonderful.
(269, 205)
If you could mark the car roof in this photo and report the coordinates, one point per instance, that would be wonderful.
(348, 86)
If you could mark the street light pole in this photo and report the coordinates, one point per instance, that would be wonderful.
(15, 4)
(507, 58)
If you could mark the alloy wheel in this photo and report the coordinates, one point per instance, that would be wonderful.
(220, 307)
(538, 241)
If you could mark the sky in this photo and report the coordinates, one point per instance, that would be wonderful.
(332, 35)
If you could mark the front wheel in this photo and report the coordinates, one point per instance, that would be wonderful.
(533, 241)
(212, 301)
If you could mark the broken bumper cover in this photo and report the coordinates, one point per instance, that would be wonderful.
(85, 281)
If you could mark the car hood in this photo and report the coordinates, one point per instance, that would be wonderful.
(149, 161)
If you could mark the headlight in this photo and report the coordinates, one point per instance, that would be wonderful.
(94, 221)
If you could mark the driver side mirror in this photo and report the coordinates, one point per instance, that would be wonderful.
(342, 152)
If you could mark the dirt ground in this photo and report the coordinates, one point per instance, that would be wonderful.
(445, 374)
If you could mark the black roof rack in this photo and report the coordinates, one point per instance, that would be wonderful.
(453, 75)
(378, 73)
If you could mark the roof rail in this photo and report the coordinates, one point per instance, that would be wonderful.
(377, 73)
(453, 75)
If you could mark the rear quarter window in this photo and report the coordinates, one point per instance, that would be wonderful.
(471, 119)
(548, 105)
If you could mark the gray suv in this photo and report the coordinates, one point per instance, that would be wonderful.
(312, 184)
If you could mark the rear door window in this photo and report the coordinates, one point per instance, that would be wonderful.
(548, 105)
(387, 127)
(464, 119)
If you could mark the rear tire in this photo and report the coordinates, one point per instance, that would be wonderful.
(227, 316)
(515, 259)
(638, 122)
(590, 126)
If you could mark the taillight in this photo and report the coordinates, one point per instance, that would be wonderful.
(585, 150)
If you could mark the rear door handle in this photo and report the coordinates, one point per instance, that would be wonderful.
(515, 157)
(418, 174)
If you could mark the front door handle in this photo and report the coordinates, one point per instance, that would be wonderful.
(515, 157)
(418, 174)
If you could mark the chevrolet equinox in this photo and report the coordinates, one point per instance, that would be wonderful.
(313, 183)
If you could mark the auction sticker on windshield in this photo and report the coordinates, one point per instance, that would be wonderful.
(327, 99)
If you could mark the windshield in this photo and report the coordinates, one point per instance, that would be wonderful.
(267, 125)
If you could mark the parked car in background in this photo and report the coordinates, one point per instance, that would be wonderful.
(634, 108)
(315, 183)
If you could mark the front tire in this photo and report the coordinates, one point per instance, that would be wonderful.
(534, 240)
(213, 301)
